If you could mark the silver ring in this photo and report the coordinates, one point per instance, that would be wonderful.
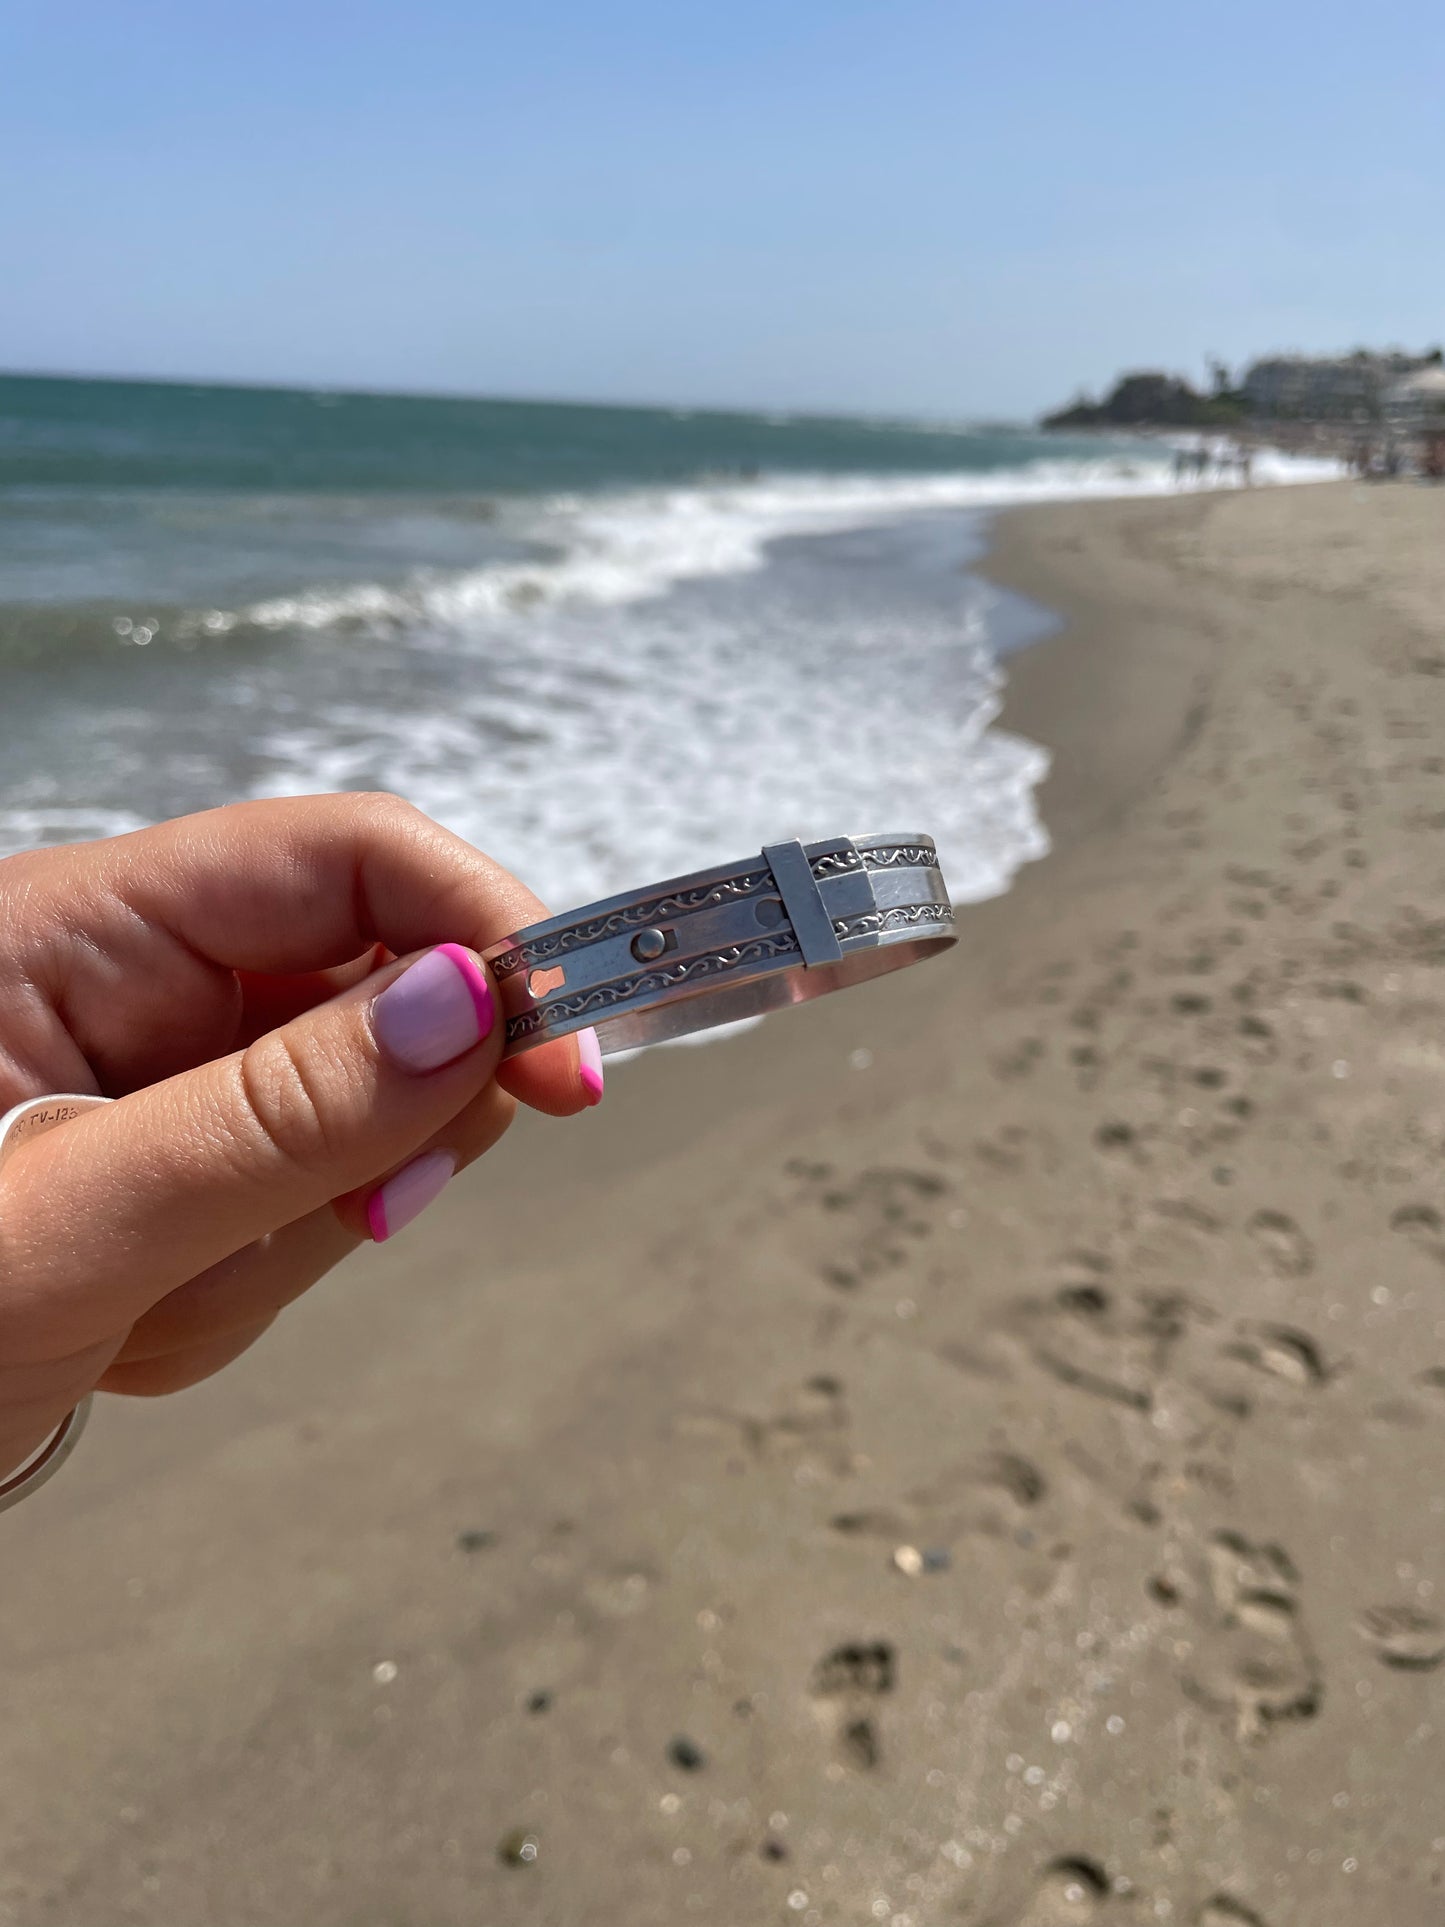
(782, 928)
(33, 1118)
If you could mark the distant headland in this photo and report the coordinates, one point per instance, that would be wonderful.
(1339, 390)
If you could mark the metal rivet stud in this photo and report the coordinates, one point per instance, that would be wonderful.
(648, 945)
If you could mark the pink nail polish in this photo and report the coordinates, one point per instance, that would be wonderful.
(438, 1007)
(407, 1193)
(589, 1053)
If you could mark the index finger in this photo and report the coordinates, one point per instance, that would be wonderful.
(298, 885)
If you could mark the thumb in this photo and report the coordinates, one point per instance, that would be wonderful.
(103, 1217)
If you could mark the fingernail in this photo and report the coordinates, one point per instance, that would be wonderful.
(435, 1010)
(589, 1051)
(407, 1194)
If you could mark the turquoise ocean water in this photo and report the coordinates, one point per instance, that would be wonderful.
(604, 643)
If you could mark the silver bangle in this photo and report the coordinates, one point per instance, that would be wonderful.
(732, 942)
(45, 1463)
(32, 1119)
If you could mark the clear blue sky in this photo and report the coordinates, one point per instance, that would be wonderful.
(939, 208)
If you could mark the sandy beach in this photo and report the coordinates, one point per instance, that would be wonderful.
(968, 1451)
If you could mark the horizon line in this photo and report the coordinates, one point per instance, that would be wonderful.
(881, 418)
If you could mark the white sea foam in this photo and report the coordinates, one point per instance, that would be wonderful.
(595, 735)
(627, 546)
(595, 731)
(29, 827)
(692, 757)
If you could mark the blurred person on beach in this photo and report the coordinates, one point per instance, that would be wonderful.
(287, 1001)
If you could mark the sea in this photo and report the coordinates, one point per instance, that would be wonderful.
(606, 644)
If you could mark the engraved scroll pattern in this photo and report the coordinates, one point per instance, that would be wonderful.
(541, 950)
(901, 856)
(888, 856)
(562, 1010)
(902, 916)
(836, 863)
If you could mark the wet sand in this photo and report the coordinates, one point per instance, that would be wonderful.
(970, 1451)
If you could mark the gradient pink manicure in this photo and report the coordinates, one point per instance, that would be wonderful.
(589, 1052)
(407, 1194)
(439, 1007)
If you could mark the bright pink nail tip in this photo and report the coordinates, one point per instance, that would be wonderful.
(407, 1193)
(589, 1064)
(471, 975)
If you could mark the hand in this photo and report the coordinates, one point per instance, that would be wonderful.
(297, 1069)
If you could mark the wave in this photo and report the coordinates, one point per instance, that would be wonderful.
(633, 545)
(555, 705)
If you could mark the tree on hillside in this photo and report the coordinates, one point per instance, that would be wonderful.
(1150, 399)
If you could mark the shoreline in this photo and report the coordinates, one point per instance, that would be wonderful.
(1107, 710)
(964, 1410)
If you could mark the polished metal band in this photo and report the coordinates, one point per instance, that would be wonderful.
(45, 1463)
(732, 942)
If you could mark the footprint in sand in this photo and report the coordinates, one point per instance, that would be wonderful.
(1110, 1347)
(1282, 1352)
(1014, 1475)
(857, 1667)
(1253, 1658)
(1006, 1152)
(1184, 1211)
(1259, 1045)
(1190, 1003)
(883, 1215)
(810, 1430)
(993, 1497)
(1071, 1889)
(1403, 1637)
(1017, 1060)
(1282, 1244)
(1117, 1135)
(1423, 1225)
(1224, 1911)
(848, 1681)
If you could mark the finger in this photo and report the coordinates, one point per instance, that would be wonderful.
(270, 999)
(560, 1078)
(153, 1377)
(281, 887)
(105, 1215)
(265, 1277)
(251, 1286)
(306, 883)
(35, 1396)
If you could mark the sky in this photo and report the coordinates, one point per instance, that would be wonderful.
(940, 210)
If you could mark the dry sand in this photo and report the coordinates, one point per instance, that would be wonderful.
(970, 1451)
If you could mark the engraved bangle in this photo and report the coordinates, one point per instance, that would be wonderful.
(794, 923)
